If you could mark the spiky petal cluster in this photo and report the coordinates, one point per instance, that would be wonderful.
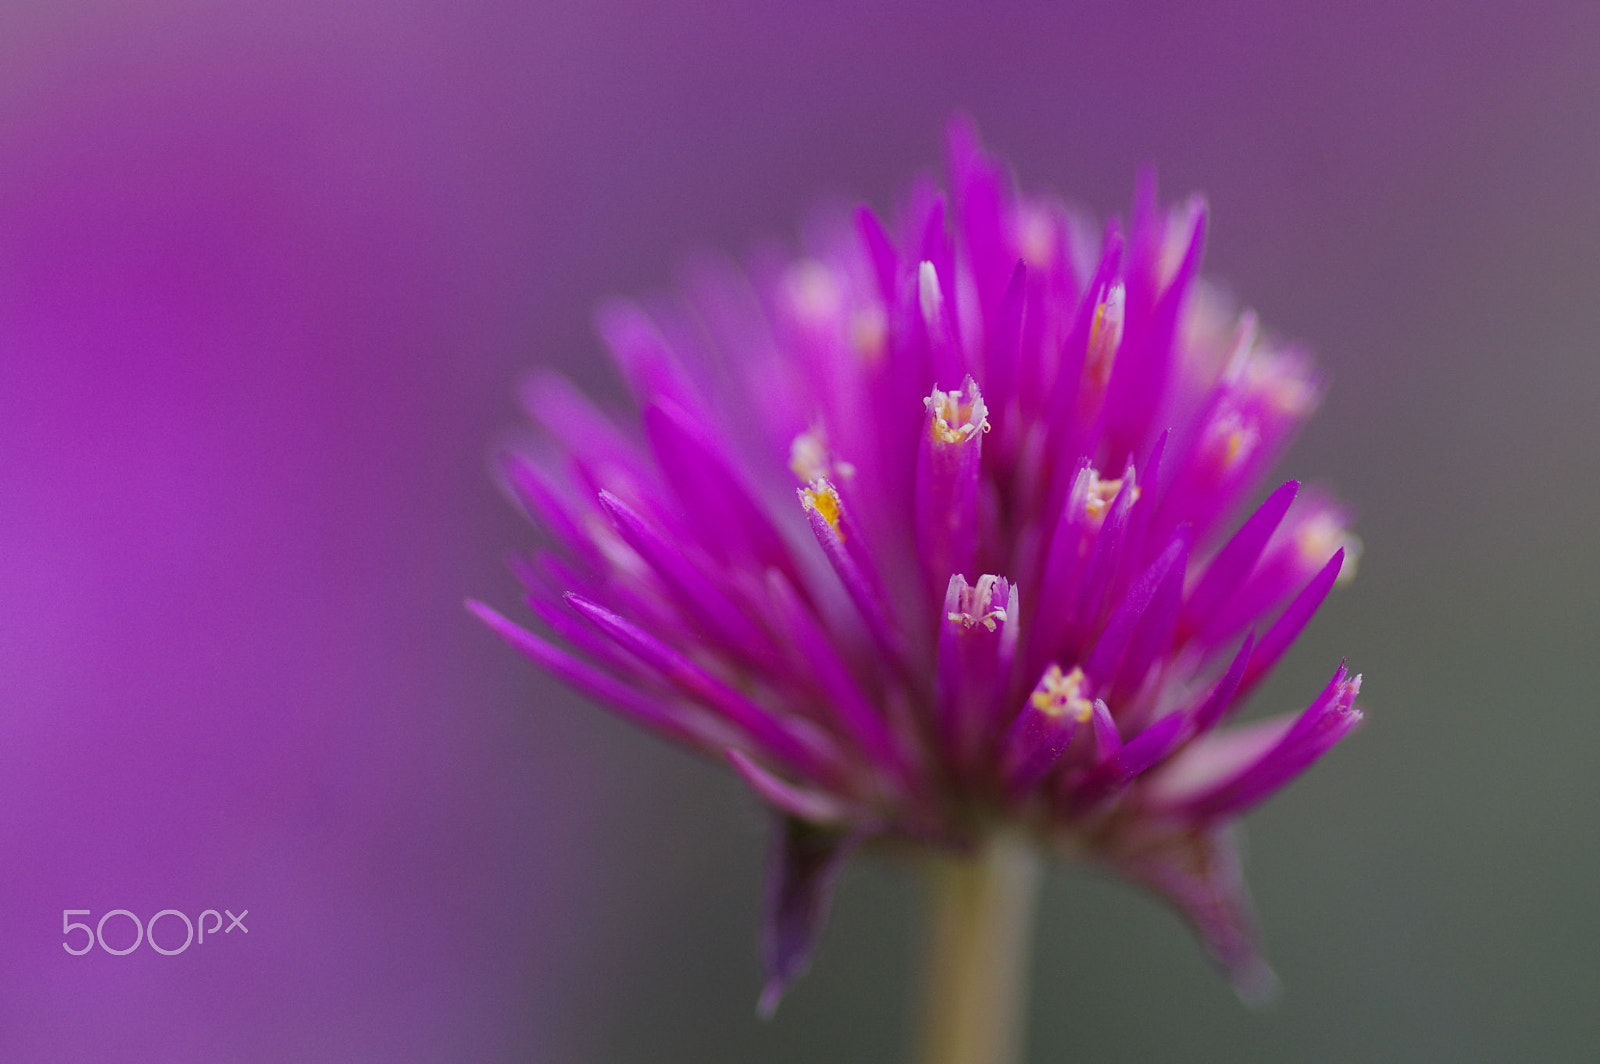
(1012, 590)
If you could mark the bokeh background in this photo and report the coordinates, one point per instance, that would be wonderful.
(269, 275)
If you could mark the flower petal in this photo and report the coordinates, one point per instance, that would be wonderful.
(1201, 875)
(681, 724)
(805, 863)
(1288, 626)
(1226, 571)
(804, 750)
(1313, 733)
(812, 806)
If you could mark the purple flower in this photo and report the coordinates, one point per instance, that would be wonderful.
(1015, 588)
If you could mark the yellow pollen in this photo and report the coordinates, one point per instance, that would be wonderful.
(1234, 438)
(1060, 694)
(1236, 445)
(955, 420)
(1102, 493)
(1105, 336)
(822, 497)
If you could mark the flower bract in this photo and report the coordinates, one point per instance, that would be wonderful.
(947, 525)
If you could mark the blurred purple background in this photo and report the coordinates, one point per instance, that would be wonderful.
(269, 275)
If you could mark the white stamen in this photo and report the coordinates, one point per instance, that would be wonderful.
(981, 603)
(955, 421)
(1101, 494)
(930, 297)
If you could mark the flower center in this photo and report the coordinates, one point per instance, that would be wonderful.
(823, 498)
(1100, 495)
(956, 418)
(982, 603)
(1060, 694)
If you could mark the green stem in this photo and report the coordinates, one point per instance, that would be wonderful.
(981, 909)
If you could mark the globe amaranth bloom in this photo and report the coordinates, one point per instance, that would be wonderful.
(946, 526)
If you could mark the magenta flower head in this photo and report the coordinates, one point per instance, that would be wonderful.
(949, 528)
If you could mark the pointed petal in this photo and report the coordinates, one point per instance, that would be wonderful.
(1221, 699)
(1107, 739)
(979, 190)
(1079, 386)
(1287, 627)
(1043, 730)
(1200, 873)
(1227, 570)
(850, 708)
(858, 585)
(1004, 340)
(718, 616)
(948, 461)
(1113, 642)
(977, 639)
(1145, 361)
(1129, 762)
(1328, 719)
(880, 249)
(1211, 761)
(1056, 609)
(715, 498)
(544, 503)
(642, 355)
(1095, 590)
(805, 864)
(806, 751)
(1140, 520)
(812, 806)
(681, 725)
(1152, 636)
(600, 452)
(1313, 529)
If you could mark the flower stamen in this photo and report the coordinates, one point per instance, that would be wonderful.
(1062, 694)
(1101, 494)
(823, 497)
(980, 603)
(955, 420)
(1105, 335)
(930, 299)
